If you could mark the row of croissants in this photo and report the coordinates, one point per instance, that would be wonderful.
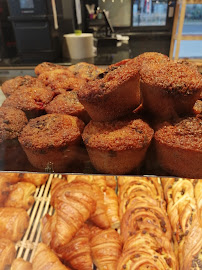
(148, 223)
(16, 197)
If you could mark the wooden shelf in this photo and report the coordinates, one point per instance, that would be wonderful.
(177, 35)
(189, 37)
(193, 1)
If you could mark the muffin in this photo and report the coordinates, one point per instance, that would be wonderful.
(179, 147)
(117, 147)
(31, 100)
(12, 121)
(169, 89)
(46, 66)
(112, 67)
(85, 70)
(10, 86)
(68, 103)
(149, 57)
(61, 80)
(114, 95)
(52, 140)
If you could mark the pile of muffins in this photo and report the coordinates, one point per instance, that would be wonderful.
(121, 114)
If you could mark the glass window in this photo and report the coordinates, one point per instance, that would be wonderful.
(192, 26)
(149, 12)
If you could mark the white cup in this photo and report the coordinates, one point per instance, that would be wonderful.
(80, 45)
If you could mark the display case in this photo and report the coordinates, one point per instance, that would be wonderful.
(115, 198)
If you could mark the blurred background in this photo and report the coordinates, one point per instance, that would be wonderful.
(31, 31)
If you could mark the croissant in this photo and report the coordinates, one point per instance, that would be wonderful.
(106, 248)
(144, 216)
(20, 264)
(100, 217)
(111, 181)
(145, 188)
(4, 190)
(74, 203)
(21, 195)
(100, 180)
(111, 202)
(11, 178)
(37, 179)
(77, 253)
(46, 230)
(184, 215)
(147, 249)
(7, 253)
(45, 259)
(13, 223)
(6, 179)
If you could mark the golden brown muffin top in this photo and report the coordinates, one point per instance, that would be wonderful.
(51, 131)
(85, 70)
(185, 133)
(148, 57)
(10, 86)
(61, 80)
(47, 66)
(67, 103)
(12, 121)
(117, 135)
(31, 98)
(174, 78)
(108, 82)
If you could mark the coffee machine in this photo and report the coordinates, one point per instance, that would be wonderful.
(7, 38)
(39, 26)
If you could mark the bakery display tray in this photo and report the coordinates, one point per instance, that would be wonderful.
(26, 246)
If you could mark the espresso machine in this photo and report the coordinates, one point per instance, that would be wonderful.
(39, 26)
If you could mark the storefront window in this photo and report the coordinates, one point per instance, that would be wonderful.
(149, 12)
(192, 26)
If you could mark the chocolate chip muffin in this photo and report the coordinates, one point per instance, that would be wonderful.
(114, 94)
(149, 57)
(12, 121)
(85, 70)
(179, 147)
(52, 140)
(68, 103)
(47, 66)
(31, 100)
(169, 89)
(61, 80)
(117, 147)
(15, 84)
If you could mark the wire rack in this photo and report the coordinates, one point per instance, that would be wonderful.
(26, 247)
